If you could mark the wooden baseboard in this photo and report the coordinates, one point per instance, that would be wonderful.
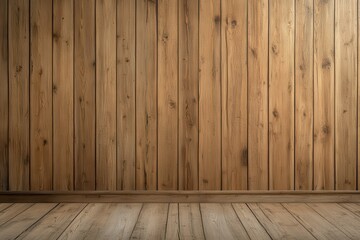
(181, 196)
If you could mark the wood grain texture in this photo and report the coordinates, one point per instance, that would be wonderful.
(190, 221)
(126, 94)
(63, 93)
(167, 94)
(188, 94)
(209, 95)
(234, 95)
(258, 53)
(281, 94)
(172, 222)
(105, 94)
(146, 92)
(304, 93)
(84, 98)
(324, 99)
(345, 93)
(4, 97)
(41, 108)
(19, 144)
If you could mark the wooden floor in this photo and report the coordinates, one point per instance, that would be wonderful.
(180, 221)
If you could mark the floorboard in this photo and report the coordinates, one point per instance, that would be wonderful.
(179, 221)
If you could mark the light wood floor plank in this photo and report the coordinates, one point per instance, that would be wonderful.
(221, 222)
(4, 206)
(342, 218)
(251, 224)
(191, 226)
(54, 223)
(24, 220)
(152, 222)
(313, 222)
(103, 221)
(352, 207)
(12, 211)
(172, 225)
(278, 222)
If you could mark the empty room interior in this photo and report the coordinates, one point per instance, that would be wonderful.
(179, 119)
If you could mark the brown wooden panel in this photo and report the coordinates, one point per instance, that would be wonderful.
(41, 95)
(105, 94)
(234, 94)
(345, 93)
(210, 95)
(258, 38)
(167, 94)
(281, 94)
(4, 99)
(324, 126)
(188, 94)
(84, 99)
(304, 99)
(126, 95)
(63, 93)
(19, 149)
(146, 95)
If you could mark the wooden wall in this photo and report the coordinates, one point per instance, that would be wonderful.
(179, 94)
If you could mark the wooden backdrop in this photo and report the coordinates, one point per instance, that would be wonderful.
(179, 94)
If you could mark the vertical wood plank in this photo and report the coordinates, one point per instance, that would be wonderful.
(188, 94)
(4, 97)
(167, 94)
(210, 96)
(345, 93)
(41, 160)
(281, 95)
(146, 93)
(84, 94)
(258, 38)
(126, 94)
(234, 94)
(324, 126)
(19, 152)
(304, 99)
(172, 225)
(63, 93)
(105, 94)
(190, 222)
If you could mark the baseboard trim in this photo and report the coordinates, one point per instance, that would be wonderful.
(181, 196)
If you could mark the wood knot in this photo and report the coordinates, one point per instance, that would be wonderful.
(275, 113)
(326, 129)
(45, 142)
(55, 89)
(172, 104)
(253, 52)
(274, 49)
(233, 23)
(217, 19)
(18, 68)
(326, 64)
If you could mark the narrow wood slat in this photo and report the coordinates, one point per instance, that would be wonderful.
(304, 94)
(106, 94)
(152, 222)
(84, 100)
(24, 220)
(63, 93)
(281, 94)
(190, 221)
(252, 225)
(278, 222)
(221, 222)
(353, 207)
(126, 94)
(167, 94)
(172, 223)
(258, 51)
(313, 222)
(188, 94)
(146, 92)
(343, 219)
(4, 206)
(103, 221)
(12, 211)
(209, 95)
(234, 95)
(345, 93)
(54, 223)
(41, 137)
(19, 148)
(324, 99)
